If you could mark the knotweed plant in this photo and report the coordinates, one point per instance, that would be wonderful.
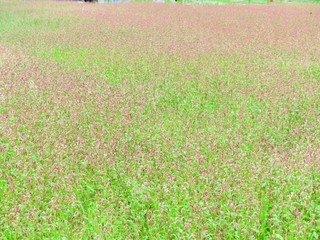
(159, 121)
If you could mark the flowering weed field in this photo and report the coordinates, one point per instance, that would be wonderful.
(159, 121)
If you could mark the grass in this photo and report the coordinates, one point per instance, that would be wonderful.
(152, 121)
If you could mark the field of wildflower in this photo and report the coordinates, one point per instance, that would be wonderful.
(159, 121)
